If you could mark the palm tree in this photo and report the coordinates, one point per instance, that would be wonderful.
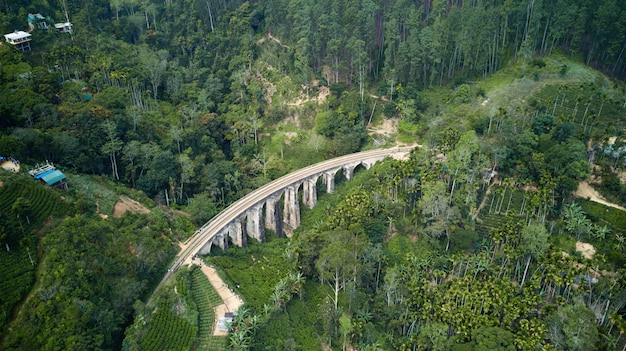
(601, 232)
(239, 340)
(621, 242)
(297, 283)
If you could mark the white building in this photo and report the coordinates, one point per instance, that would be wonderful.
(65, 27)
(20, 39)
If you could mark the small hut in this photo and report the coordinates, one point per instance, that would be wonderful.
(48, 174)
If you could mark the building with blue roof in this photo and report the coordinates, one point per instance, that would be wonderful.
(54, 178)
(48, 174)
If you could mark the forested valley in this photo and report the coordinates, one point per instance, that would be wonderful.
(480, 240)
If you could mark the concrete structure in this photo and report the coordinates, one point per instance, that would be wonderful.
(64, 27)
(19, 39)
(245, 217)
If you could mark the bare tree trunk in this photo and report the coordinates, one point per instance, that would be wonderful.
(208, 5)
(525, 271)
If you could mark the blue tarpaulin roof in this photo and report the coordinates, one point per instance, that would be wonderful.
(41, 175)
(54, 177)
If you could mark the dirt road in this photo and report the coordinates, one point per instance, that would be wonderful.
(588, 192)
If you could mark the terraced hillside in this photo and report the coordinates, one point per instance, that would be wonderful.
(585, 104)
(501, 203)
(25, 204)
(206, 298)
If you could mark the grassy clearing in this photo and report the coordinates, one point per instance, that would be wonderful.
(102, 191)
(514, 91)
(98, 189)
(255, 269)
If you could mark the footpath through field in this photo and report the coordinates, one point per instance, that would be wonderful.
(231, 300)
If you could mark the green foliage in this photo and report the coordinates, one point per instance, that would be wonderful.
(93, 271)
(201, 209)
(489, 338)
(185, 94)
(407, 130)
(205, 298)
(256, 270)
(166, 331)
(573, 328)
(24, 206)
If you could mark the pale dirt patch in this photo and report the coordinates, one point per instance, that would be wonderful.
(128, 204)
(183, 245)
(102, 215)
(290, 136)
(587, 250)
(403, 156)
(273, 38)
(320, 98)
(385, 129)
(324, 92)
(10, 166)
(588, 192)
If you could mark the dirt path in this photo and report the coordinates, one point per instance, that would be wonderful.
(484, 202)
(588, 192)
(231, 300)
(128, 204)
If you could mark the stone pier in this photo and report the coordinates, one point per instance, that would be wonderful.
(328, 178)
(291, 208)
(254, 226)
(309, 192)
(348, 170)
(283, 214)
(236, 234)
(273, 216)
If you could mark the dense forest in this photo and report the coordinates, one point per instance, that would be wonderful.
(187, 105)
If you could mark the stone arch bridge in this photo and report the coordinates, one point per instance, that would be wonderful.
(260, 209)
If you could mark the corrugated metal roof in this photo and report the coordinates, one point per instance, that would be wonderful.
(41, 175)
(54, 177)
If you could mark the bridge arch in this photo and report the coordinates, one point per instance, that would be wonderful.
(260, 209)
